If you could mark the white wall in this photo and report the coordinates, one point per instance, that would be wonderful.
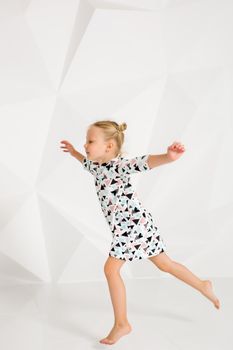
(163, 67)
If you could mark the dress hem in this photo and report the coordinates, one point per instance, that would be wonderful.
(163, 250)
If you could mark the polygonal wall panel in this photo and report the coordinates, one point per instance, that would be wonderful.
(163, 67)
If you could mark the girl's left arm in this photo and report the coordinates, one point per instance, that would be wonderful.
(174, 152)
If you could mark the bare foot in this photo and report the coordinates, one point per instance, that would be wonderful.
(115, 334)
(208, 292)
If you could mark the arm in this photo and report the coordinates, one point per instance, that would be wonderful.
(78, 156)
(69, 148)
(173, 153)
(158, 159)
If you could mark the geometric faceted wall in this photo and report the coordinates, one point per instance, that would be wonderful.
(163, 67)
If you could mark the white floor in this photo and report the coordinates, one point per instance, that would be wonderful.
(165, 313)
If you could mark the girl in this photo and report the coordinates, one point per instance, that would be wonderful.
(134, 234)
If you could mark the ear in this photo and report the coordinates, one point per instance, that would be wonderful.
(110, 145)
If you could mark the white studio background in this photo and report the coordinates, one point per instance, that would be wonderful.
(163, 67)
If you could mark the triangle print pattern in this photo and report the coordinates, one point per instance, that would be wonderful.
(134, 234)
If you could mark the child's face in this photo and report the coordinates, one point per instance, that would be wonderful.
(96, 147)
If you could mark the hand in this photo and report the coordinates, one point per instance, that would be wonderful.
(175, 150)
(68, 147)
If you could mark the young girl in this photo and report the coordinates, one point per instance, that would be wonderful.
(134, 234)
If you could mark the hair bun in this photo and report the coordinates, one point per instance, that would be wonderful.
(122, 127)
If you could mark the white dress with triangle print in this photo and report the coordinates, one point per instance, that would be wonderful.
(134, 234)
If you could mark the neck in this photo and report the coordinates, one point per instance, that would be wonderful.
(105, 160)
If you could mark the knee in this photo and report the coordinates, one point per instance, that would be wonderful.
(107, 270)
(110, 270)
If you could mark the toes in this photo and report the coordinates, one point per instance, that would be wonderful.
(103, 340)
(217, 304)
(106, 341)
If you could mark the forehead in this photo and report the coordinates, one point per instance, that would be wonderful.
(94, 132)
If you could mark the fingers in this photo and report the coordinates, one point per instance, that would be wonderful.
(65, 142)
(177, 146)
(66, 147)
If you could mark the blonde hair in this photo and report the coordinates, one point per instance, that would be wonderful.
(113, 130)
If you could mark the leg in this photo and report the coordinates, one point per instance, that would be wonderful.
(164, 263)
(118, 297)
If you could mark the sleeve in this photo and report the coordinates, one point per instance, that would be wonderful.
(89, 165)
(134, 165)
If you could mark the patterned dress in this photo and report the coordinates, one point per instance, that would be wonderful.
(134, 234)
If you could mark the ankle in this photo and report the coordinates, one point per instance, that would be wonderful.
(203, 285)
(121, 323)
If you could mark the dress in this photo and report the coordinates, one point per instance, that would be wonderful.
(134, 234)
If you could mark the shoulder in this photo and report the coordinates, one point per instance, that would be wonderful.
(90, 165)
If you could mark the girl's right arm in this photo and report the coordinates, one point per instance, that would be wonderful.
(69, 148)
(78, 155)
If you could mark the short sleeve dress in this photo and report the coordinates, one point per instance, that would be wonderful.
(134, 234)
